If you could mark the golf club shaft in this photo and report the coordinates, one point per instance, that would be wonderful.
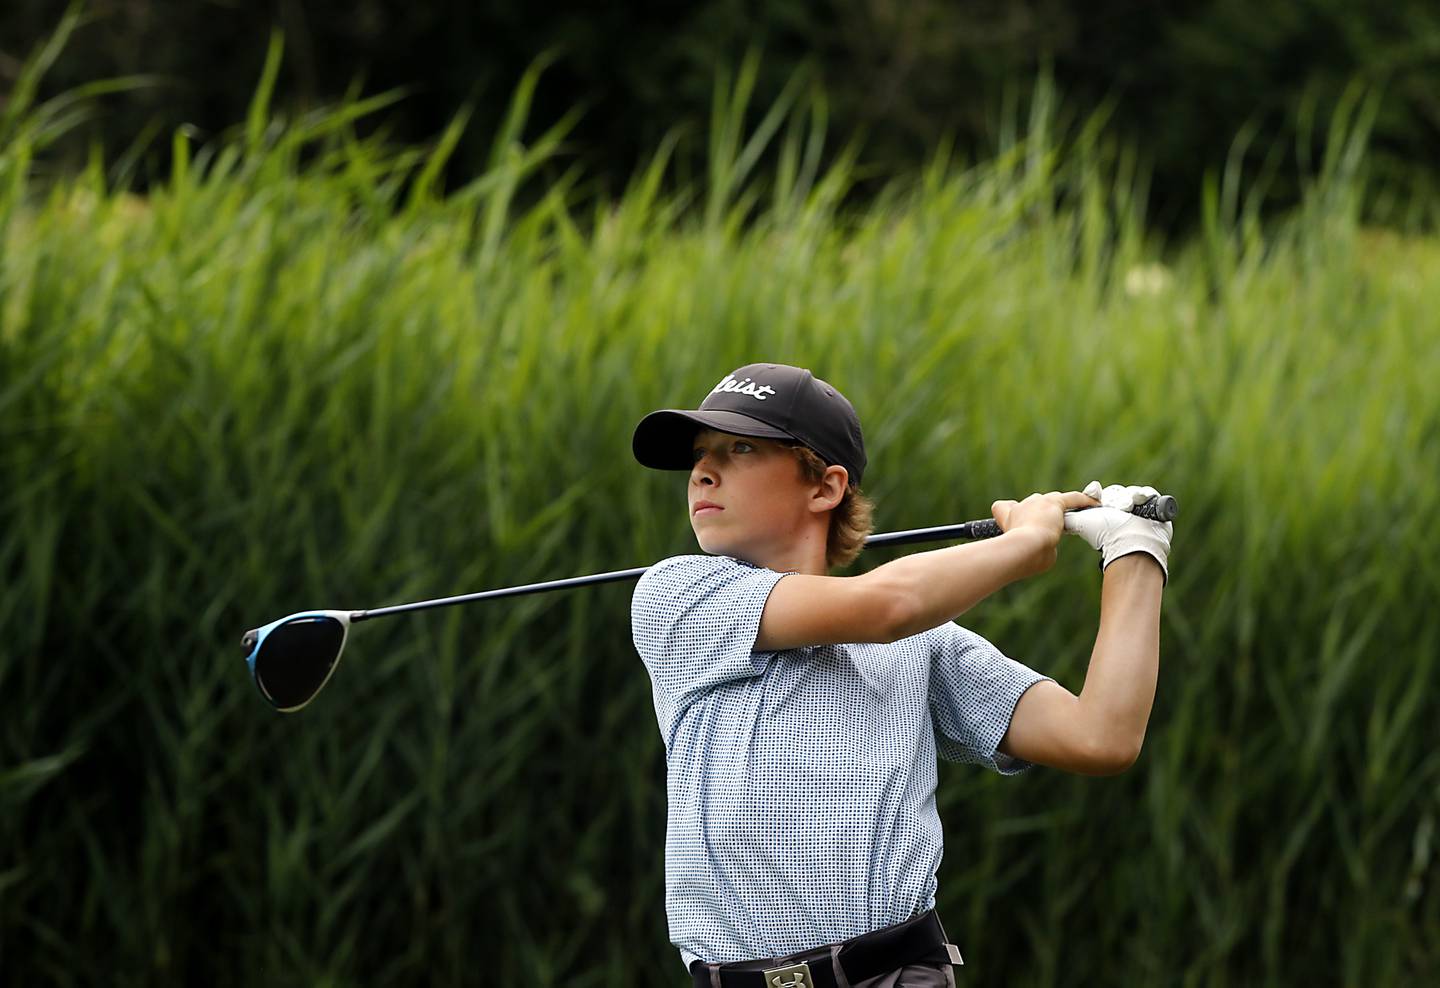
(1160, 509)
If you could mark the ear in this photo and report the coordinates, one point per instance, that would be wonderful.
(831, 489)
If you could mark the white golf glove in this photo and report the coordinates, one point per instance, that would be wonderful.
(1114, 531)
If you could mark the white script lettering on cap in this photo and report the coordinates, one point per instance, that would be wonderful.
(729, 384)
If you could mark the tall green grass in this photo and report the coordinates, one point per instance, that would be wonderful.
(302, 374)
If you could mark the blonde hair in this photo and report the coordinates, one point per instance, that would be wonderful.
(851, 521)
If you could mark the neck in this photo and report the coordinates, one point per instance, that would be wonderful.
(803, 552)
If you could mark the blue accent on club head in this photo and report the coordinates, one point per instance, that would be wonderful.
(262, 633)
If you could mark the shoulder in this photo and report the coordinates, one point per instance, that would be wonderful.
(950, 643)
(702, 612)
(949, 635)
(698, 565)
(686, 568)
(689, 574)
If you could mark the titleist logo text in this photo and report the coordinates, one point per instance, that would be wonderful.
(745, 387)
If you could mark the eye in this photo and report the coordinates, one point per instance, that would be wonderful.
(740, 446)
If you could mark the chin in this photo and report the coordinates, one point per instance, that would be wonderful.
(709, 545)
(715, 547)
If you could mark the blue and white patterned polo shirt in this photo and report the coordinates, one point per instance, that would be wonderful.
(801, 782)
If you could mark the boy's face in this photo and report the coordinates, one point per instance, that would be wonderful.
(763, 502)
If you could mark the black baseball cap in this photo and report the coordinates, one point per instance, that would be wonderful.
(772, 401)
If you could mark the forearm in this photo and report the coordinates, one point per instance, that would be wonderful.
(1120, 683)
(940, 585)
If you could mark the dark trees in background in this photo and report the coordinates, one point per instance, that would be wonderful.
(1184, 78)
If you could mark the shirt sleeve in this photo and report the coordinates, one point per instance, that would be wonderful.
(973, 691)
(694, 620)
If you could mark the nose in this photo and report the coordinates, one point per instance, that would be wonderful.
(704, 471)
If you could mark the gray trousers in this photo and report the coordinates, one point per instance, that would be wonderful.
(913, 976)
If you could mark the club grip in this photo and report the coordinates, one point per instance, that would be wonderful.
(986, 528)
(1162, 508)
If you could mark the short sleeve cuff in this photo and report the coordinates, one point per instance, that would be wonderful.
(1021, 679)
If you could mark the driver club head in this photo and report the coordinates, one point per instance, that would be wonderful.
(293, 658)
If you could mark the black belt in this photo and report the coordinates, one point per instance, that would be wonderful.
(916, 941)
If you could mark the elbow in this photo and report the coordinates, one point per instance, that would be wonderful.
(1111, 756)
(890, 610)
(900, 618)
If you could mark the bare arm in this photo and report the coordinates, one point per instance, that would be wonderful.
(920, 591)
(1100, 731)
(938, 586)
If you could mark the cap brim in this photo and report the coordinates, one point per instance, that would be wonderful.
(662, 439)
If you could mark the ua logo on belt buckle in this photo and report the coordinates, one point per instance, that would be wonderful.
(795, 976)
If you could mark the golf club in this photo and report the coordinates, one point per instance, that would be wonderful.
(292, 659)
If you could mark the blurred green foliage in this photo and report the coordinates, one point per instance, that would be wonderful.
(1180, 81)
(298, 374)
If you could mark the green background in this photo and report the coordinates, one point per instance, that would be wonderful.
(299, 373)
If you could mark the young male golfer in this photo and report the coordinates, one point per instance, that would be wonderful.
(802, 714)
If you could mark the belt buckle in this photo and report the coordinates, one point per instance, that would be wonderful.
(794, 976)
